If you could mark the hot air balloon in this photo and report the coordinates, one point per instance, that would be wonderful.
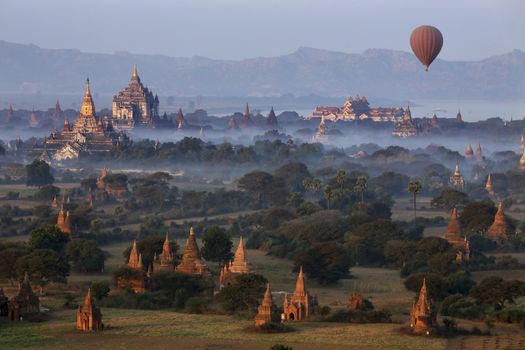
(426, 42)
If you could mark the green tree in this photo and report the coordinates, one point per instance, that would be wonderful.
(100, 289)
(85, 256)
(340, 178)
(217, 245)
(328, 194)
(264, 187)
(293, 175)
(47, 193)
(9, 254)
(38, 174)
(414, 187)
(361, 185)
(495, 291)
(325, 262)
(244, 294)
(448, 199)
(48, 237)
(477, 217)
(43, 266)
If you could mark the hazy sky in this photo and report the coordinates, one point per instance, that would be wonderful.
(233, 29)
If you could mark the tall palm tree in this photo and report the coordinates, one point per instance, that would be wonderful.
(340, 178)
(328, 193)
(414, 187)
(361, 185)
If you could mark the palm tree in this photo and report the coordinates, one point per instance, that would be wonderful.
(328, 193)
(414, 187)
(361, 185)
(340, 178)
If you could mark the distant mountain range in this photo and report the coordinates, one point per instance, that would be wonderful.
(376, 72)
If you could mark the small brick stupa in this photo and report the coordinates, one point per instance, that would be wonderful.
(63, 221)
(238, 266)
(499, 230)
(25, 304)
(89, 317)
(266, 310)
(191, 262)
(164, 261)
(422, 318)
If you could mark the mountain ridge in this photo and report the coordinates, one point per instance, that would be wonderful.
(28, 68)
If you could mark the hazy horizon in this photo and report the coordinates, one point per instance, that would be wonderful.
(232, 29)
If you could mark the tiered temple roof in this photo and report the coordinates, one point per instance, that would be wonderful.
(135, 105)
(300, 305)
(191, 261)
(321, 134)
(422, 317)
(164, 261)
(469, 152)
(499, 230)
(453, 234)
(63, 220)
(457, 180)
(86, 136)
(135, 259)
(89, 317)
(271, 121)
(266, 309)
(25, 303)
(246, 120)
(406, 127)
(239, 265)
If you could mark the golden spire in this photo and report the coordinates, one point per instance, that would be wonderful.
(299, 285)
(88, 107)
(135, 74)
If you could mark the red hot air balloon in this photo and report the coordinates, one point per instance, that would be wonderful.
(426, 42)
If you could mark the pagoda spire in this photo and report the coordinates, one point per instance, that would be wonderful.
(267, 299)
(135, 74)
(134, 258)
(247, 110)
(299, 285)
(453, 234)
(88, 107)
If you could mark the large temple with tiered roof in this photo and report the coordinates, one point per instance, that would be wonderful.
(135, 105)
(357, 108)
(88, 135)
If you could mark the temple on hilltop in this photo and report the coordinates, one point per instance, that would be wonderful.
(89, 317)
(321, 135)
(247, 121)
(136, 281)
(459, 118)
(265, 311)
(164, 261)
(422, 315)
(406, 127)
(456, 180)
(300, 306)
(238, 266)
(499, 231)
(469, 152)
(25, 304)
(63, 221)
(191, 261)
(135, 105)
(488, 186)
(357, 108)
(88, 135)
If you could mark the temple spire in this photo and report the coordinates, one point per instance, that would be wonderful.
(135, 74)
(299, 285)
